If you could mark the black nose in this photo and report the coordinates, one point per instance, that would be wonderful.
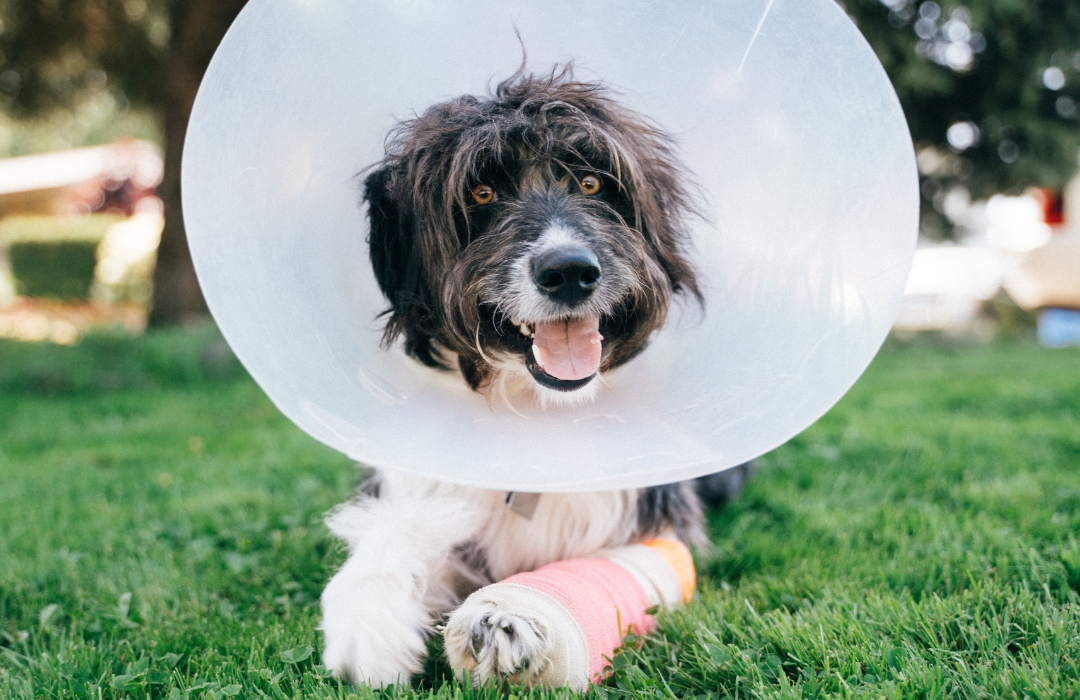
(568, 275)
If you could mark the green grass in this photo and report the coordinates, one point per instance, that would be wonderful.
(160, 536)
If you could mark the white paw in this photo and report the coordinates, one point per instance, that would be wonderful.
(489, 640)
(373, 629)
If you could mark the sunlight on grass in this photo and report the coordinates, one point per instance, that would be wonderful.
(161, 536)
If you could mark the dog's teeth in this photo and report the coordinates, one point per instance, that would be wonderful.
(516, 321)
(537, 357)
(525, 330)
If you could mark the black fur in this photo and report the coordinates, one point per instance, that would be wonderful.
(672, 505)
(399, 269)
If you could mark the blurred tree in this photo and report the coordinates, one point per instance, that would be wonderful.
(197, 28)
(991, 90)
(148, 53)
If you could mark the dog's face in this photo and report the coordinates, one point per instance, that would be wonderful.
(539, 235)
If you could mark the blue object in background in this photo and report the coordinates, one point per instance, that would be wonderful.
(1059, 328)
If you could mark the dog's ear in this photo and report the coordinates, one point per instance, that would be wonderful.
(666, 204)
(399, 268)
(390, 241)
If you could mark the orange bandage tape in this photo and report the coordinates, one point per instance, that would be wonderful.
(678, 558)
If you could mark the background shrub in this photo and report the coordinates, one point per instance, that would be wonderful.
(54, 256)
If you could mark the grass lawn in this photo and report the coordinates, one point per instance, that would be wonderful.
(161, 536)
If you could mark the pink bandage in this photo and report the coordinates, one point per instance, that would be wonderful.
(586, 606)
(605, 600)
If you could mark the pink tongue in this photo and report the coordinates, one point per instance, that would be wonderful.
(569, 350)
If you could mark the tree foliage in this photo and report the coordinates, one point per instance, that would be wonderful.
(54, 52)
(991, 90)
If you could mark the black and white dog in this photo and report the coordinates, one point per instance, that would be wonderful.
(531, 241)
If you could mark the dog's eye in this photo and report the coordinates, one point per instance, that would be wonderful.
(590, 184)
(483, 194)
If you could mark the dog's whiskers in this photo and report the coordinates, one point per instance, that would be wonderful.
(480, 348)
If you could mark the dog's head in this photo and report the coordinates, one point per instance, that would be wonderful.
(539, 235)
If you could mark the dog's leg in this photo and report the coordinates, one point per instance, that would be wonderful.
(386, 598)
(560, 625)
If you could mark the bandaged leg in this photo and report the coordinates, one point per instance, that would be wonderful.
(560, 625)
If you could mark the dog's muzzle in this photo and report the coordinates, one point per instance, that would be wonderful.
(565, 354)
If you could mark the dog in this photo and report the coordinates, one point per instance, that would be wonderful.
(529, 241)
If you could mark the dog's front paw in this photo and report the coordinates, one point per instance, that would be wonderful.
(373, 628)
(488, 640)
(512, 632)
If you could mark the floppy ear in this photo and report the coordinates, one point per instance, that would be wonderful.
(399, 268)
(671, 250)
(389, 241)
(667, 206)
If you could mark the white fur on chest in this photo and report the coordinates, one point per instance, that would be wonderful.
(564, 525)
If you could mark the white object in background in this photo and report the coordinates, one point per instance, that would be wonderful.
(127, 253)
(1048, 275)
(961, 271)
(1016, 224)
(947, 285)
(138, 161)
(784, 116)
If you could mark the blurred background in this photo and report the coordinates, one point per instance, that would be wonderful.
(95, 97)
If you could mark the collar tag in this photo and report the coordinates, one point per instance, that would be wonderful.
(524, 504)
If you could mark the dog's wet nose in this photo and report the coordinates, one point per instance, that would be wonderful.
(568, 275)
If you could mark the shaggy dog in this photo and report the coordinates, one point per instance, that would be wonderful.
(531, 241)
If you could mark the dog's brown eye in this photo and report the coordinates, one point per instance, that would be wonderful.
(590, 184)
(483, 194)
